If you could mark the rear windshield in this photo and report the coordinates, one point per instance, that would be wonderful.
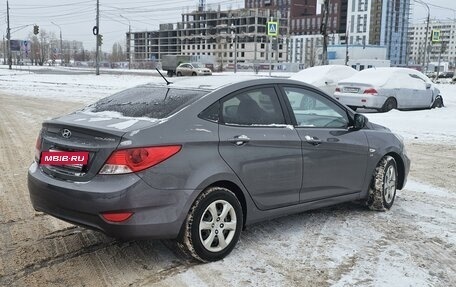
(147, 101)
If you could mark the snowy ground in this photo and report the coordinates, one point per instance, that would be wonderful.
(414, 244)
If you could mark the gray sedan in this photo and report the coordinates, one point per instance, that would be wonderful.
(198, 163)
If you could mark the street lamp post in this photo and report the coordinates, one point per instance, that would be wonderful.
(61, 43)
(129, 41)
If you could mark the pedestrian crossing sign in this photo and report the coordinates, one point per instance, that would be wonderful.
(273, 28)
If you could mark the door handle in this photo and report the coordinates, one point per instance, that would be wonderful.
(312, 140)
(239, 140)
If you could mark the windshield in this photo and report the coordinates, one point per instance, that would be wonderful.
(147, 101)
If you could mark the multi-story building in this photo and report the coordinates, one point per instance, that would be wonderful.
(307, 49)
(445, 48)
(379, 22)
(306, 15)
(217, 34)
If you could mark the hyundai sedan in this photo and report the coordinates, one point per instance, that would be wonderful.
(199, 162)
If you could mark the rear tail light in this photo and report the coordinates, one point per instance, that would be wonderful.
(116, 216)
(38, 149)
(337, 89)
(137, 159)
(371, 91)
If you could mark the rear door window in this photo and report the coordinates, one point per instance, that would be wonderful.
(259, 106)
(147, 101)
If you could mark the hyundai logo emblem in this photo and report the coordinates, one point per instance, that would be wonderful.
(66, 133)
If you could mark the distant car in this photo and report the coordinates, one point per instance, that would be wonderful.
(446, 75)
(324, 77)
(385, 89)
(199, 160)
(192, 69)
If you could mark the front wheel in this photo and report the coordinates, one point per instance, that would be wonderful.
(179, 74)
(194, 74)
(438, 102)
(382, 190)
(213, 225)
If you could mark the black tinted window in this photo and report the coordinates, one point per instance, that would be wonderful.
(211, 113)
(253, 107)
(147, 101)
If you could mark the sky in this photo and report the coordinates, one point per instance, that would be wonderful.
(76, 18)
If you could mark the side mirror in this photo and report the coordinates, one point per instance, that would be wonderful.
(428, 86)
(359, 122)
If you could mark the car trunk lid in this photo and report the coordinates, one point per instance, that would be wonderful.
(97, 135)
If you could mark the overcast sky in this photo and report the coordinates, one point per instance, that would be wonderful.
(76, 18)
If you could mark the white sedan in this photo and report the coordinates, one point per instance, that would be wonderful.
(385, 89)
(192, 69)
(324, 77)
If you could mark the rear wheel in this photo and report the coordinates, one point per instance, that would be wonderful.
(213, 225)
(438, 102)
(389, 104)
(382, 190)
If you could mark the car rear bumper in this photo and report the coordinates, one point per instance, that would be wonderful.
(157, 213)
(361, 100)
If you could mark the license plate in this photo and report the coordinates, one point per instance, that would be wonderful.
(72, 160)
(351, 90)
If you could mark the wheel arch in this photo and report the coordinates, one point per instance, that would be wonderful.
(237, 191)
(400, 168)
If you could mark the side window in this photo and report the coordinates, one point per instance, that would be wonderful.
(253, 107)
(314, 110)
(211, 113)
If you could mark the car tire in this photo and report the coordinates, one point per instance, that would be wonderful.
(438, 102)
(389, 105)
(179, 74)
(216, 214)
(382, 189)
(194, 74)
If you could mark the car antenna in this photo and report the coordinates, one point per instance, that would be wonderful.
(167, 82)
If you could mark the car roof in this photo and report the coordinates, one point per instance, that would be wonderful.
(210, 82)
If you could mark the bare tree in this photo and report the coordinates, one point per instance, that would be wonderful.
(40, 50)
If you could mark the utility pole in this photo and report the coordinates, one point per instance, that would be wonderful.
(129, 41)
(97, 54)
(426, 39)
(61, 43)
(8, 37)
(324, 32)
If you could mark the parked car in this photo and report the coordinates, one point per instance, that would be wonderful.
(324, 77)
(385, 89)
(197, 161)
(192, 69)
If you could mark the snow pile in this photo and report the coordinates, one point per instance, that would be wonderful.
(319, 74)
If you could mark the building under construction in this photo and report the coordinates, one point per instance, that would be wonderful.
(214, 34)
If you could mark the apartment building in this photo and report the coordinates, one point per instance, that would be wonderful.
(214, 33)
(380, 22)
(446, 47)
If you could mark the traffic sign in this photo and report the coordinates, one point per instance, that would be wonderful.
(273, 28)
